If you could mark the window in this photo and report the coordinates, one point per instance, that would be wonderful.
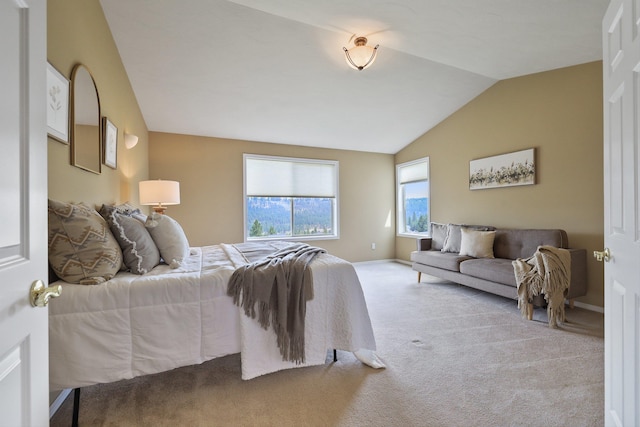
(413, 212)
(288, 198)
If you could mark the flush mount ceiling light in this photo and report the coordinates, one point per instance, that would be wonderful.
(360, 56)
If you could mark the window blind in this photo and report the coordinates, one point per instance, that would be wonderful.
(286, 177)
(413, 172)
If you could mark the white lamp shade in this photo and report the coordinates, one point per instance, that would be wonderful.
(159, 192)
(360, 56)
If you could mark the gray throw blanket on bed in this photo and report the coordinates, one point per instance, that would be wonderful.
(548, 272)
(276, 289)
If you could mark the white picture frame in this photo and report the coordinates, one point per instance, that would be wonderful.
(57, 105)
(109, 143)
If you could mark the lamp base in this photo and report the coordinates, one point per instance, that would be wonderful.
(159, 209)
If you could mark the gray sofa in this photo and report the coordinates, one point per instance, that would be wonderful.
(440, 256)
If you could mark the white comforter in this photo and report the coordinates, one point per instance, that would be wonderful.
(135, 325)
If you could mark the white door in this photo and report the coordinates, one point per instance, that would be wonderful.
(621, 77)
(24, 371)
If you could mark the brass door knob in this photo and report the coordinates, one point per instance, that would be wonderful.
(602, 256)
(40, 294)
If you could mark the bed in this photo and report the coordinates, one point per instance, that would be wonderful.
(138, 324)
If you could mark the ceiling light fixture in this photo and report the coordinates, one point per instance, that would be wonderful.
(360, 56)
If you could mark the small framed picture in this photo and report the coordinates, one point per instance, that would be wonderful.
(57, 105)
(109, 143)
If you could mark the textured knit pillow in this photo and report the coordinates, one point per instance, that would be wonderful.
(452, 241)
(169, 237)
(477, 244)
(438, 235)
(138, 248)
(82, 250)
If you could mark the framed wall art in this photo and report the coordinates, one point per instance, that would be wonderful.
(110, 143)
(57, 105)
(504, 170)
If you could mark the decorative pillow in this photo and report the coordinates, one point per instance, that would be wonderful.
(478, 244)
(452, 240)
(169, 237)
(138, 248)
(438, 235)
(82, 250)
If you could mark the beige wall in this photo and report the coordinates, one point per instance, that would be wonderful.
(78, 33)
(210, 174)
(557, 112)
(560, 114)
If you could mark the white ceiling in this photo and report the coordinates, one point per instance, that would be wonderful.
(274, 70)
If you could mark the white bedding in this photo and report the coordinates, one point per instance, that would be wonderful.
(135, 325)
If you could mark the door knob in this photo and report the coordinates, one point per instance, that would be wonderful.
(40, 294)
(602, 256)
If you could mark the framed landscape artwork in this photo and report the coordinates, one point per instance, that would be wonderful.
(57, 105)
(504, 170)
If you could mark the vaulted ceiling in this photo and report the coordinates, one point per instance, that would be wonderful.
(274, 70)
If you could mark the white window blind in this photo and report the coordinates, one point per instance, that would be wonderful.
(287, 177)
(413, 172)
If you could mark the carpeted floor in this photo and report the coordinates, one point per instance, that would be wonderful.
(455, 357)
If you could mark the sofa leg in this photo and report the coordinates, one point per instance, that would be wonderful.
(571, 302)
(530, 311)
(419, 276)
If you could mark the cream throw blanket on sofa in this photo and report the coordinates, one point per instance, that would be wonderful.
(548, 272)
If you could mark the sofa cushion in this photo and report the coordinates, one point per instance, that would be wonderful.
(438, 235)
(522, 243)
(439, 259)
(454, 236)
(494, 270)
(453, 239)
(477, 244)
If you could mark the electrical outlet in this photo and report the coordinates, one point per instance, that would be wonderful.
(373, 246)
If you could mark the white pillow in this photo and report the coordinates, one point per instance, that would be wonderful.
(169, 237)
(477, 244)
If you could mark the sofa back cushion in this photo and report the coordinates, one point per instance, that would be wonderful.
(522, 243)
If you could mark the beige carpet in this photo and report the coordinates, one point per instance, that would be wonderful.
(455, 357)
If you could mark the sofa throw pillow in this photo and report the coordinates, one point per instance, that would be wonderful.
(169, 237)
(452, 240)
(475, 243)
(139, 251)
(438, 235)
(82, 249)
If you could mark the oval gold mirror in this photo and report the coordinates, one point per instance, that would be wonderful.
(85, 120)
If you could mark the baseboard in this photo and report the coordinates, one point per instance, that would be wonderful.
(53, 408)
(589, 307)
(375, 261)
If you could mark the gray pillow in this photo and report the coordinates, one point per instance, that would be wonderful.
(438, 235)
(169, 237)
(82, 250)
(139, 251)
(453, 239)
